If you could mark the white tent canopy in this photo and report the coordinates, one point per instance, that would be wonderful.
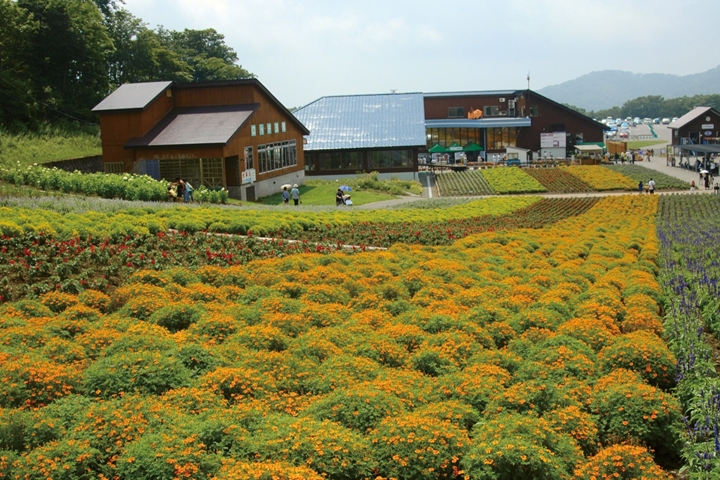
(589, 149)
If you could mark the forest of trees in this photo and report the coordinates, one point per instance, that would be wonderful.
(59, 58)
(654, 106)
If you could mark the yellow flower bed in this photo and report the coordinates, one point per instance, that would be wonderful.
(601, 178)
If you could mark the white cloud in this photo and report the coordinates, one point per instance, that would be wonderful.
(304, 50)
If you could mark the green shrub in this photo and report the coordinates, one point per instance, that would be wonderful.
(512, 446)
(418, 447)
(143, 372)
(327, 447)
(642, 352)
(628, 409)
(166, 455)
(356, 408)
(177, 316)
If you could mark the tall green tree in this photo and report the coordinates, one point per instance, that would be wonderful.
(206, 53)
(67, 61)
(139, 54)
(16, 28)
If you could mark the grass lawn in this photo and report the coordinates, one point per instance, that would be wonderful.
(645, 143)
(47, 146)
(323, 193)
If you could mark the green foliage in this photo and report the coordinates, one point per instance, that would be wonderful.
(642, 352)
(418, 447)
(642, 174)
(48, 143)
(143, 372)
(627, 408)
(61, 57)
(512, 446)
(511, 180)
(327, 447)
(358, 409)
(177, 316)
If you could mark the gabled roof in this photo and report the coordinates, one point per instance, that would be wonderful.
(132, 96)
(566, 108)
(196, 126)
(364, 121)
(690, 116)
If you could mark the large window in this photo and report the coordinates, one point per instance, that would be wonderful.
(339, 161)
(500, 138)
(446, 136)
(276, 156)
(390, 159)
(249, 161)
(456, 112)
(491, 111)
(197, 171)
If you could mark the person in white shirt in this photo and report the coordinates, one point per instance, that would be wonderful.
(651, 186)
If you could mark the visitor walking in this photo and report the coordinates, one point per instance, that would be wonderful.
(295, 194)
(651, 186)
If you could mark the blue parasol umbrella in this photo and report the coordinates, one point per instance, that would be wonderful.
(345, 188)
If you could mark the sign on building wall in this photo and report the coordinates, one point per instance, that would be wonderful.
(553, 140)
(248, 176)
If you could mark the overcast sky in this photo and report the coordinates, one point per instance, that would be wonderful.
(302, 50)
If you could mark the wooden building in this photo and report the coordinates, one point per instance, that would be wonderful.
(697, 134)
(223, 134)
(497, 120)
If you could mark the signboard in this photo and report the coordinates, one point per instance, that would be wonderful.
(248, 176)
(553, 140)
(707, 126)
(455, 148)
(708, 133)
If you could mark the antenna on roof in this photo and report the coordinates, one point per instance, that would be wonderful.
(393, 90)
(528, 79)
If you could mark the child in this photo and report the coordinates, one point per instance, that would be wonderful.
(692, 186)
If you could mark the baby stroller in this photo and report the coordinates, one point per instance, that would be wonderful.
(347, 200)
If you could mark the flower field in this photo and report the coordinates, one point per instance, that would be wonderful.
(572, 179)
(642, 174)
(470, 182)
(601, 178)
(558, 180)
(532, 350)
(689, 227)
(511, 180)
(125, 186)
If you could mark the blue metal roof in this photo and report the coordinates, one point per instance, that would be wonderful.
(364, 121)
(494, 122)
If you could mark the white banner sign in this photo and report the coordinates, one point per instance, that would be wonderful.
(248, 176)
(553, 140)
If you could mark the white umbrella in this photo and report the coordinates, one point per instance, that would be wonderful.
(704, 171)
(287, 185)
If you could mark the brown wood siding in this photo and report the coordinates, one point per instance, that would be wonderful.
(550, 114)
(119, 127)
(438, 107)
(212, 96)
(696, 126)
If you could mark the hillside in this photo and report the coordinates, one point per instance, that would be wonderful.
(609, 88)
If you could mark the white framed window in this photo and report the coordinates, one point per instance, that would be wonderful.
(253, 131)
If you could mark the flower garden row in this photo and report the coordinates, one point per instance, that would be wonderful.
(573, 179)
(525, 353)
(36, 262)
(689, 228)
(124, 186)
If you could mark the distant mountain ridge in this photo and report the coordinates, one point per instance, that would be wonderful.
(612, 88)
